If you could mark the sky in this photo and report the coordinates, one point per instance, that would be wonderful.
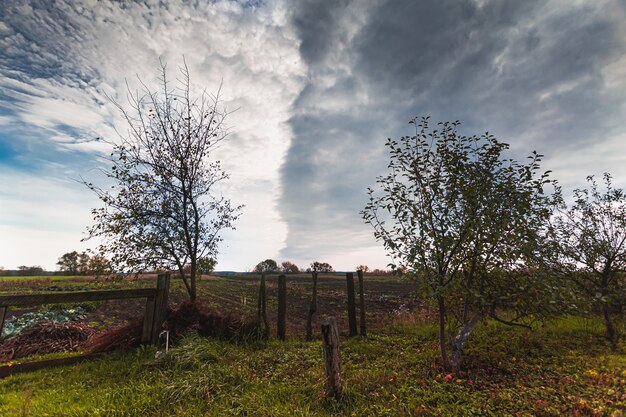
(316, 87)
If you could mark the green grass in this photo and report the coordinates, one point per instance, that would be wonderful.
(36, 277)
(565, 368)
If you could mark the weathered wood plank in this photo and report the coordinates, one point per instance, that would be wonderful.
(160, 305)
(72, 297)
(148, 321)
(50, 363)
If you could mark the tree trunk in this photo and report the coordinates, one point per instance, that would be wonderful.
(192, 292)
(457, 343)
(442, 333)
(611, 331)
(312, 309)
(181, 272)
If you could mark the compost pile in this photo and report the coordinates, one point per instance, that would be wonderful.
(123, 337)
(208, 323)
(46, 337)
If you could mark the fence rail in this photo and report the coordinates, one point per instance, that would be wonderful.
(23, 300)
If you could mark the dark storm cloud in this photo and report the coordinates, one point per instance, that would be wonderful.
(316, 24)
(505, 59)
(531, 72)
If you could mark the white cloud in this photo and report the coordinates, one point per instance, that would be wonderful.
(41, 218)
(252, 51)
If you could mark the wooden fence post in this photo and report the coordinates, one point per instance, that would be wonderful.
(351, 303)
(332, 361)
(3, 314)
(312, 309)
(282, 306)
(264, 327)
(160, 305)
(148, 321)
(362, 328)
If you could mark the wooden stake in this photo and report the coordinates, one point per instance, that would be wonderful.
(3, 313)
(312, 309)
(262, 310)
(351, 303)
(282, 307)
(332, 361)
(362, 328)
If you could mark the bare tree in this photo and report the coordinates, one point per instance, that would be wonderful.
(163, 210)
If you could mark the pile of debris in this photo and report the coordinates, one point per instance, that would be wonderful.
(209, 322)
(46, 337)
(123, 337)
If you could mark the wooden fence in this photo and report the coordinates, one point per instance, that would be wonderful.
(154, 316)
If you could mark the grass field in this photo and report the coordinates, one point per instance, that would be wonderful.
(563, 368)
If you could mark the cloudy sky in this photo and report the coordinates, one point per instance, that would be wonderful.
(317, 87)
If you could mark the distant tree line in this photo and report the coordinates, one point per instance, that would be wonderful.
(75, 263)
(287, 267)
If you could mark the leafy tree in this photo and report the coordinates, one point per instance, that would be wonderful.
(75, 263)
(363, 268)
(83, 263)
(99, 265)
(289, 267)
(321, 267)
(465, 223)
(589, 243)
(206, 265)
(69, 262)
(163, 211)
(266, 266)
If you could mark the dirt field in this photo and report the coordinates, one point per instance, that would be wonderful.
(386, 297)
